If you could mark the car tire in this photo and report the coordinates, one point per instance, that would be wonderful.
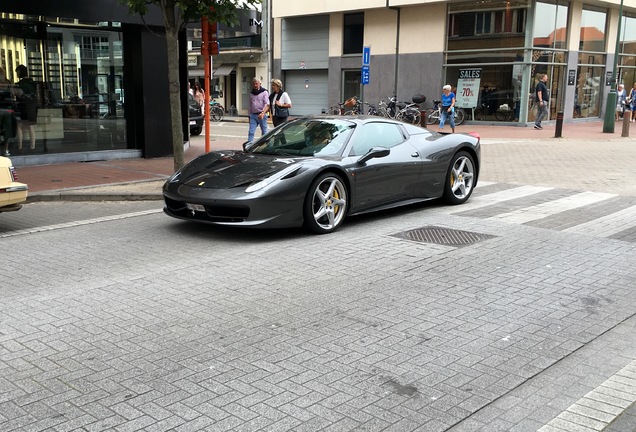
(196, 130)
(460, 179)
(326, 204)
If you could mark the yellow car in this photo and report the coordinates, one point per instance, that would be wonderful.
(12, 193)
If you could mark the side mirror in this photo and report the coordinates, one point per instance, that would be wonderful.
(374, 152)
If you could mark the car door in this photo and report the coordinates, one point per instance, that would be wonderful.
(388, 179)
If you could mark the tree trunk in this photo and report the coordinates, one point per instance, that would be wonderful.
(174, 89)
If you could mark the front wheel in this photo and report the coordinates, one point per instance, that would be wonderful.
(460, 116)
(326, 204)
(460, 179)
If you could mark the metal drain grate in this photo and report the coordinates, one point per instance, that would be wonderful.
(443, 236)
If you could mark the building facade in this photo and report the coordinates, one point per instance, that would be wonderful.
(100, 75)
(493, 53)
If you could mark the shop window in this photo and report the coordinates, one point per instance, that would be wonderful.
(353, 33)
(78, 85)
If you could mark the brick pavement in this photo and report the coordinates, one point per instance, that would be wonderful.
(363, 331)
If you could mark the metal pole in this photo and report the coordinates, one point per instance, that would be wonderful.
(612, 96)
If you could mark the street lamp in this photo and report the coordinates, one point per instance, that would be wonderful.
(612, 96)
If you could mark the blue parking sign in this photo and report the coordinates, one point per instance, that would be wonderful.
(365, 75)
(366, 56)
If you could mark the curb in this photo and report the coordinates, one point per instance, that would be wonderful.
(70, 197)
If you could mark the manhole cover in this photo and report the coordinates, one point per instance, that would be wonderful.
(443, 236)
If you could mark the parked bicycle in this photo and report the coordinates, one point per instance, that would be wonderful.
(481, 112)
(351, 106)
(216, 111)
(403, 111)
(410, 113)
(506, 111)
(434, 114)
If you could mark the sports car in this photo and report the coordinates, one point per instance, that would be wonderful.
(315, 171)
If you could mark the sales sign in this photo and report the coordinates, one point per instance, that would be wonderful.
(468, 87)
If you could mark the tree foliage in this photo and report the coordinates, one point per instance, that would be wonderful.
(176, 15)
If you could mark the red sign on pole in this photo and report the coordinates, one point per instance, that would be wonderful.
(209, 42)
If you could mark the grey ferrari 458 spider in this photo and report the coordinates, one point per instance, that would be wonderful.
(315, 171)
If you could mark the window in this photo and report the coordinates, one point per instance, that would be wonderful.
(592, 31)
(376, 135)
(353, 33)
(550, 30)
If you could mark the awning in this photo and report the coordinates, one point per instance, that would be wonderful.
(224, 69)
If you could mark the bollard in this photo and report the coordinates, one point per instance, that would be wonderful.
(626, 116)
(423, 121)
(559, 125)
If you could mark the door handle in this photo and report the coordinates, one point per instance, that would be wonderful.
(416, 154)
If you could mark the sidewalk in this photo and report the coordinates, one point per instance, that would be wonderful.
(141, 179)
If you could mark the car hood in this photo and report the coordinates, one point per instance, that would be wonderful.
(224, 170)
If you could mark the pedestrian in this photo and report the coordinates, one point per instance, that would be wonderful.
(259, 107)
(199, 95)
(448, 108)
(631, 100)
(279, 102)
(621, 101)
(542, 98)
(25, 92)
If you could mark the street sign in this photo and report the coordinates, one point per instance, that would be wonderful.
(365, 75)
(366, 56)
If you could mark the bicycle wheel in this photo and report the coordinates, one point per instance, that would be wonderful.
(480, 113)
(334, 110)
(412, 116)
(216, 113)
(460, 116)
(503, 115)
(432, 116)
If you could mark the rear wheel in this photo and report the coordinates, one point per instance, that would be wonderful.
(196, 130)
(334, 110)
(413, 116)
(326, 204)
(432, 116)
(460, 179)
(216, 113)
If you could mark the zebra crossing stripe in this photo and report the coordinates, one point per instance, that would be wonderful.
(543, 210)
(607, 225)
(477, 202)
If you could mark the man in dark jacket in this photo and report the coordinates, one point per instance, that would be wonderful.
(542, 98)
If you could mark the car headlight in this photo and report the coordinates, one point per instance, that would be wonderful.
(174, 177)
(271, 179)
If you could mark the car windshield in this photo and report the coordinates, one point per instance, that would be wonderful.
(306, 137)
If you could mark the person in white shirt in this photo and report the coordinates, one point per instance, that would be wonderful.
(279, 102)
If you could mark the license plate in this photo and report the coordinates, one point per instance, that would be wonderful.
(192, 122)
(195, 207)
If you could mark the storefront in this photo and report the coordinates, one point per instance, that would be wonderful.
(493, 53)
(97, 74)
